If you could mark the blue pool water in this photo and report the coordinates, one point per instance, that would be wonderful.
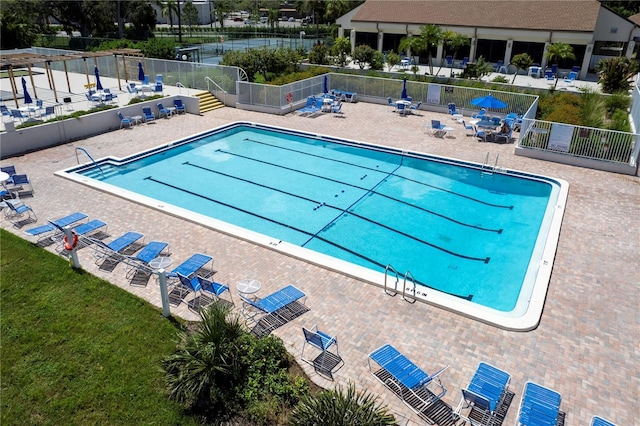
(456, 230)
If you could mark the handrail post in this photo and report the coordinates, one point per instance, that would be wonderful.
(164, 295)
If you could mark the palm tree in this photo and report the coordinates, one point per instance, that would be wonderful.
(335, 408)
(168, 8)
(431, 36)
(453, 41)
(559, 51)
(342, 49)
(412, 45)
(205, 362)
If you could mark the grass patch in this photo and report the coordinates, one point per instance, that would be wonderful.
(76, 349)
(18, 73)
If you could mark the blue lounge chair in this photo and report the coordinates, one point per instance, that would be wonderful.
(484, 395)
(335, 108)
(19, 213)
(391, 104)
(179, 106)
(570, 80)
(4, 110)
(471, 129)
(415, 107)
(192, 266)
(310, 107)
(402, 108)
(139, 264)
(452, 109)
(20, 184)
(272, 303)
(148, 115)
(49, 230)
(84, 231)
(326, 362)
(538, 406)
(10, 170)
(125, 120)
(414, 386)
(163, 111)
(199, 286)
(113, 251)
(437, 128)
(599, 421)
(318, 340)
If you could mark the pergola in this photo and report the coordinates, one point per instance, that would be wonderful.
(15, 60)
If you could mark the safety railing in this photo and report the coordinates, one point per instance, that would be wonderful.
(217, 91)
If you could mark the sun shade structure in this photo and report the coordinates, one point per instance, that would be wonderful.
(16, 60)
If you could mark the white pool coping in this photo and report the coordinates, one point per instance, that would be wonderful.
(524, 317)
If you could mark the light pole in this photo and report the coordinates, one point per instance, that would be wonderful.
(302, 34)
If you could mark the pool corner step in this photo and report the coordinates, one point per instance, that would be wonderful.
(208, 102)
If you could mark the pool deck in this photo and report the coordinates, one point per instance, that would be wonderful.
(586, 346)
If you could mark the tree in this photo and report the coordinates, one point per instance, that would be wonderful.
(201, 370)
(18, 28)
(342, 49)
(340, 408)
(335, 9)
(616, 74)
(521, 61)
(413, 45)
(363, 55)
(142, 18)
(85, 16)
(392, 60)
(453, 41)
(319, 54)
(559, 51)
(168, 8)
(432, 36)
(190, 14)
(222, 8)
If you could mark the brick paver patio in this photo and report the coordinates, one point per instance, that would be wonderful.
(586, 346)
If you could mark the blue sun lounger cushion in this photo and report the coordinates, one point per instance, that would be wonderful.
(45, 231)
(538, 406)
(416, 387)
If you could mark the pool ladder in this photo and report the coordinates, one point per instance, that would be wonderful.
(409, 296)
(90, 157)
(488, 169)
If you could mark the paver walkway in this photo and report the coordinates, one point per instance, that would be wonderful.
(586, 346)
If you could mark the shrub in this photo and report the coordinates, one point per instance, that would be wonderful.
(319, 54)
(620, 121)
(500, 79)
(565, 113)
(617, 101)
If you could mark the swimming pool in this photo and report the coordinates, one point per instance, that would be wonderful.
(481, 244)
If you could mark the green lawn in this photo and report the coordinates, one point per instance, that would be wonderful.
(75, 349)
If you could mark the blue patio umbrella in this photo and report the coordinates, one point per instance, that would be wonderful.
(488, 102)
(404, 88)
(326, 84)
(27, 97)
(140, 72)
(98, 83)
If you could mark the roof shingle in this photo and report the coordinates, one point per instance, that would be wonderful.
(551, 15)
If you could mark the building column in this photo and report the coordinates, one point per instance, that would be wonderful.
(584, 69)
(630, 48)
(340, 32)
(380, 38)
(472, 49)
(507, 53)
(439, 53)
(543, 62)
(353, 40)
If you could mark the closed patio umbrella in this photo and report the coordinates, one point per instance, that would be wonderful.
(98, 83)
(404, 89)
(140, 72)
(488, 102)
(27, 97)
(326, 84)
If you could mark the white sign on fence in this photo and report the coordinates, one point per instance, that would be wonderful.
(433, 94)
(560, 137)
